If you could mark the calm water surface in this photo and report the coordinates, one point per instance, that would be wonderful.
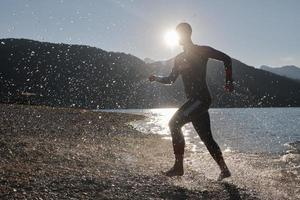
(255, 130)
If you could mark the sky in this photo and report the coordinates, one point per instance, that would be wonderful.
(256, 32)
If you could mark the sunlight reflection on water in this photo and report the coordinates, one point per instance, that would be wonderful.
(257, 130)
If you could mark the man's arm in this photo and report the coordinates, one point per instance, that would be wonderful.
(218, 55)
(167, 79)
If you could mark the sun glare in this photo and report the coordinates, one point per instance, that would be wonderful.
(171, 38)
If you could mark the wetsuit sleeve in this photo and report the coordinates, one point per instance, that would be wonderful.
(172, 76)
(218, 55)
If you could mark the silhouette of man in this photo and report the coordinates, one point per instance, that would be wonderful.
(191, 64)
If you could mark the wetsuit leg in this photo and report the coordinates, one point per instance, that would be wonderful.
(182, 116)
(201, 124)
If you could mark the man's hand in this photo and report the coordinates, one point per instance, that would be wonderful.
(229, 86)
(151, 78)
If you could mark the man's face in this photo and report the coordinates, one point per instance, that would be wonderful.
(184, 37)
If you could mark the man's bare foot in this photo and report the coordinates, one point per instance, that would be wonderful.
(174, 171)
(224, 174)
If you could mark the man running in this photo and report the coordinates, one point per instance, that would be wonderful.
(191, 64)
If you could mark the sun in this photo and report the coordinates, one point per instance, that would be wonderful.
(171, 38)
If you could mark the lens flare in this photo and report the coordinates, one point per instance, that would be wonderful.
(171, 38)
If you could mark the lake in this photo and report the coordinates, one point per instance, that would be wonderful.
(251, 130)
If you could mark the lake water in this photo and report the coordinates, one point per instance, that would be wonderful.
(255, 130)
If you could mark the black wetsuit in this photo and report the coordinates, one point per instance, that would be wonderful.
(192, 65)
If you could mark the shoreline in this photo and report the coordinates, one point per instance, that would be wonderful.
(76, 153)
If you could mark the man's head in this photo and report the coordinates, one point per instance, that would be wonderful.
(184, 31)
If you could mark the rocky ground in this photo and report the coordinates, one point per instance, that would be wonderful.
(57, 153)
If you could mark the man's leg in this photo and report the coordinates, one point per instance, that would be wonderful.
(201, 124)
(178, 120)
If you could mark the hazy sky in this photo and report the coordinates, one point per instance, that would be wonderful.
(257, 32)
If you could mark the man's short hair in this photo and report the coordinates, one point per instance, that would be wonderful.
(184, 27)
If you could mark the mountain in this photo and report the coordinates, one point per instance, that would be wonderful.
(289, 71)
(148, 60)
(51, 74)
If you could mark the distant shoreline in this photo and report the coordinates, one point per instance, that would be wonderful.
(130, 108)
